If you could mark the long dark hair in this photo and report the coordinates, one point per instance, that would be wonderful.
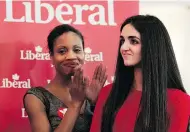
(159, 72)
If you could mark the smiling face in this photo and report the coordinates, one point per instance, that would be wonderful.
(130, 45)
(68, 54)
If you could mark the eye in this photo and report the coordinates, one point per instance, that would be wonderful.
(122, 40)
(77, 50)
(133, 41)
(62, 50)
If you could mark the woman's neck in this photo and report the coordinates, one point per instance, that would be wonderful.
(61, 81)
(137, 83)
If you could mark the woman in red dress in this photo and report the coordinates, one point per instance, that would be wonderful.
(147, 94)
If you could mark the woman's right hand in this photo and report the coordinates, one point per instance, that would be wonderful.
(77, 88)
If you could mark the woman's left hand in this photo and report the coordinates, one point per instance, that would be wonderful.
(98, 81)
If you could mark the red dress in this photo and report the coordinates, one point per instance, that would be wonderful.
(178, 109)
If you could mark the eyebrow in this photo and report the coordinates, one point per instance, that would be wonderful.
(132, 37)
(61, 46)
(77, 46)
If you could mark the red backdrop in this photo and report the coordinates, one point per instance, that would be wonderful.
(24, 58)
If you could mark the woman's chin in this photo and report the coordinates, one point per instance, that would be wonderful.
(131, 64)
(127, 64)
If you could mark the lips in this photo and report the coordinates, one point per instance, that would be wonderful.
(126, 56)
(71, 64)
(124, 52)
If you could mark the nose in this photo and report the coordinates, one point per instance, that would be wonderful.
(70, 55)
(125, 46)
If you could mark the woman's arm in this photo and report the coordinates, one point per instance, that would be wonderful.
(39, 120)
(180, 113)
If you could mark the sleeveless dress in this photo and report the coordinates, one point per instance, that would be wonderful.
(54, 107)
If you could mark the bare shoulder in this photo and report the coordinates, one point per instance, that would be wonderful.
(36, 113)
(32, 102)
